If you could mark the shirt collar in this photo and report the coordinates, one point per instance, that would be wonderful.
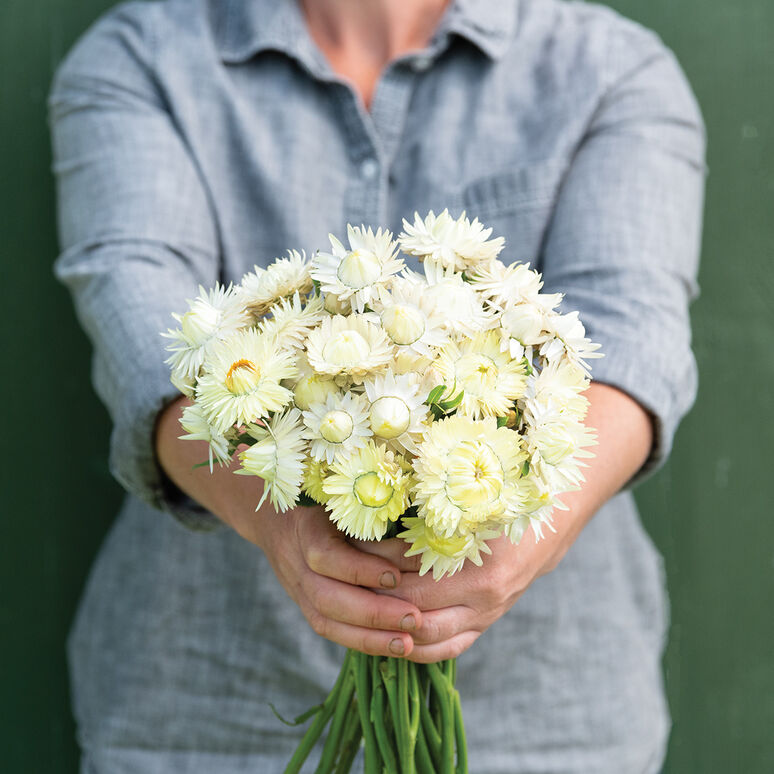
(243, 28)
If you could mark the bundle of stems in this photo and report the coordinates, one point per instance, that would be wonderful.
(407, 715)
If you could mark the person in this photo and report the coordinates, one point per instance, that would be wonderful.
(194, 139)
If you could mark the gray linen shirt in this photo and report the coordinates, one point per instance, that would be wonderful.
(194, 139)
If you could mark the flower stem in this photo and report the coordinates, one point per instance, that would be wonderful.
(350, 739)
(343, 702)
(377, 715)
(443, 691)
(459, 732)
(363, 688)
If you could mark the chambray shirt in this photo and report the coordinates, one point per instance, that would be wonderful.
(194, 139)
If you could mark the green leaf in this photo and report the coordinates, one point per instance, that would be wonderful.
(201, 465)
(305, 501)
(502, 421)
(528, 366)
(448, 405)
(435, 394)
(525, 468)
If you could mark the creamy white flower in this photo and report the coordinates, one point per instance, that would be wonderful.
(198, 428)
(310, 387)
(284, 277)
(356, 274)
(277, 456)
(211, 317)
(397, 412)
(445, 555)
(350, 346)
(491, 380)
(451, 244)
(569, 339)
(291, 321)
(242, 379)
(467, 475)
(338, 426)
(504, 285)
(560, 383)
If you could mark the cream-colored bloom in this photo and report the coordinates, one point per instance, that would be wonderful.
(335, 305)
(198, 428)
(315, 473)
(211, 317)
(569, 340)
(492, 381)
(281, 279)
(356, 274)
(310, 387)
(277, 456)
(451, 244)
(338, 426)
(291, 321)
(462, 308)
(350, 346)
(521, 329)
(367, 491)
(445, 555)
(242, 380)
(560, 383)
(467, 475)
(397, 412)
(515, 283)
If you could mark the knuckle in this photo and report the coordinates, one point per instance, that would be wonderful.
(318, 623)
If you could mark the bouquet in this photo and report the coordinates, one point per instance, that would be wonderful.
(445, 407)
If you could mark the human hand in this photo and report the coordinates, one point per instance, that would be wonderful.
(457, 609)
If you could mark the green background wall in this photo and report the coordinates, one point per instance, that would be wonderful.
(58, 498)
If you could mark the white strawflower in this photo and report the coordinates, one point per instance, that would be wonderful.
(492, 381)
(397, 412)
(451, 244)
(281, 279)
(521, 329)
(277, 457)
(462, 308)
(570, 340)
(211, 317)
(338, 426)
(242, 380)
(350, 346)
(467, 474)
(198, 428)
(357, 273)
(503, 285)
(445, 555)
(291, 321)
(367, 491)
(310, 387)
(560, 383)
(315, 473)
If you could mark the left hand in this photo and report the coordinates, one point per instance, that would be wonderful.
(458, 609)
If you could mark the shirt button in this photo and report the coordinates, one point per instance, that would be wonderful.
(369, 169)
(420, 63)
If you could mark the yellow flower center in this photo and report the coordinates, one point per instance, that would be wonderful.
(359, 269)
(389, 416)
(345, 348)
(445, 546)
(476, 373)
(242, 377)
(336, 426)
(475, 475)
(371, 491)
(403, 324)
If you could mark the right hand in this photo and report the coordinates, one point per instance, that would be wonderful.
(335, 584)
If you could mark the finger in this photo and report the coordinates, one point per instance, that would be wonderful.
(361, 607)
(447, 622)
(335, 558)
(371, 641)
(429, 594)
(393, 550)
(439, 651)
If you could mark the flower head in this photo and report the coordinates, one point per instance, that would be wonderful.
(281, 279)
(356, 274)
(198, 428)
(242, 380)
(338, 426)
(291, 321)
(277, 456)
(451, 244)
(367, 491)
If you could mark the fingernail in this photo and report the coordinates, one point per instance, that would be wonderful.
(396, 647)
(408, 623)
(387, 580)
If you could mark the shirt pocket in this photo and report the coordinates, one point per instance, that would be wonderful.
(517, 203)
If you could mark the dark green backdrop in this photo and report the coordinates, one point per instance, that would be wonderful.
(58, 498)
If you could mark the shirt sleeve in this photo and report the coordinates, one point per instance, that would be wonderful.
(137, 237)
(623, 245)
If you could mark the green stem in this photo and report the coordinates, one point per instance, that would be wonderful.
(443, 691)
(407, 736)
(429, 728)
(363, 689)
(425, 763)
(459, 731)
(377, 714)
(320, 721)
(343, 708)
(350, 739)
